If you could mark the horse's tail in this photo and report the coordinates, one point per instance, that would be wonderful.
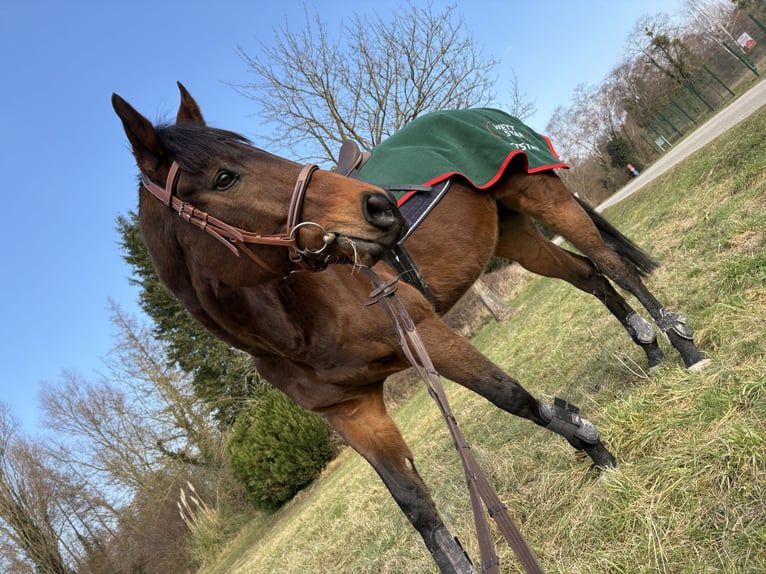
(641, 261)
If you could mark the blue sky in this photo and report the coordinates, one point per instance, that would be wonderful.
(69, 173)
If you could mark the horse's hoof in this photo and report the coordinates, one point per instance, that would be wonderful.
(655, 357)
(699, 366)
(601, 457)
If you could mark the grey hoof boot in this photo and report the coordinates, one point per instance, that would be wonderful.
(564, 419)
(448, 553)
(670, 320)
(639, 329)
(680, 335)
(644, 335)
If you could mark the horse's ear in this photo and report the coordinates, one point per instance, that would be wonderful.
(141, 135)
(188, 111)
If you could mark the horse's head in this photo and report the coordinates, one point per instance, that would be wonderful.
(282, 217)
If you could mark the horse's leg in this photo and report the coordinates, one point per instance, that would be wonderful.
(544, 197)
(366, 426)
(456, 359)
(521, 241)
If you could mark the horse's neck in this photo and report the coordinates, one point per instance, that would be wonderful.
(253, 319)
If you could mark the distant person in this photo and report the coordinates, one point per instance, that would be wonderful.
(632, 169)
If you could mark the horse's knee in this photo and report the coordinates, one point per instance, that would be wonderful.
(367, 427)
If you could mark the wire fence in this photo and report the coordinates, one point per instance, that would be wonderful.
(727, 69)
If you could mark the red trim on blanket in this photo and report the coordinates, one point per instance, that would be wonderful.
(497, 176)
(550, 147)
(405, 197)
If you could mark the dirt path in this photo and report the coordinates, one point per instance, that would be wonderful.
(734, 113)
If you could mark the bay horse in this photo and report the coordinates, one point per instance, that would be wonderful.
(493, 151)
(275, 274)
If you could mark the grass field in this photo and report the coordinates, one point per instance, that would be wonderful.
(689, 495)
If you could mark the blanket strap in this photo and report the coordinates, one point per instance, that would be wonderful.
(404, 265)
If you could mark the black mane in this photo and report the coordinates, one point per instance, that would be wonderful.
(195, 146)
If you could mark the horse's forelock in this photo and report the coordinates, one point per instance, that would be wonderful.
(195, 147)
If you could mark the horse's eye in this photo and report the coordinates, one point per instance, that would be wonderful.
(224, 179)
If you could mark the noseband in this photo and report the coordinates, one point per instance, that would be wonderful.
(236, 238)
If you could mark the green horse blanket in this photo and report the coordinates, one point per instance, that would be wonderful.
(477, 144)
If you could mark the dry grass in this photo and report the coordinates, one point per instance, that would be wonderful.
(689, 495)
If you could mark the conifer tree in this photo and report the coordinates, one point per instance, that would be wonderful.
(224, 377)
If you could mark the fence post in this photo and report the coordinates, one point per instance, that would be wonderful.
(741, 58)
(757, 22)
(717, 79)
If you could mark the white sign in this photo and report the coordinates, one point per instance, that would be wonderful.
(746, 41)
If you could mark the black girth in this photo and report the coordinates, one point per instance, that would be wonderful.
(415, 211)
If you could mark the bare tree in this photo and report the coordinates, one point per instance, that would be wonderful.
(184, 428)
(378, 76)
(143, 418)
(712, 18)
(580, 129)
(658, 42)
(30, 521)
(589, 130)
(519, 105)
(640, 90)
(128, 440)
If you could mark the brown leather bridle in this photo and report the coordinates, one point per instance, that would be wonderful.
(236, 238)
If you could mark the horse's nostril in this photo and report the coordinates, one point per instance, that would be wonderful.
(380, 211)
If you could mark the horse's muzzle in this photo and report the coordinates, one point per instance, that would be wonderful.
(380, 210)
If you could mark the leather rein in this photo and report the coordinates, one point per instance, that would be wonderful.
(237, 239)
(479, 488)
